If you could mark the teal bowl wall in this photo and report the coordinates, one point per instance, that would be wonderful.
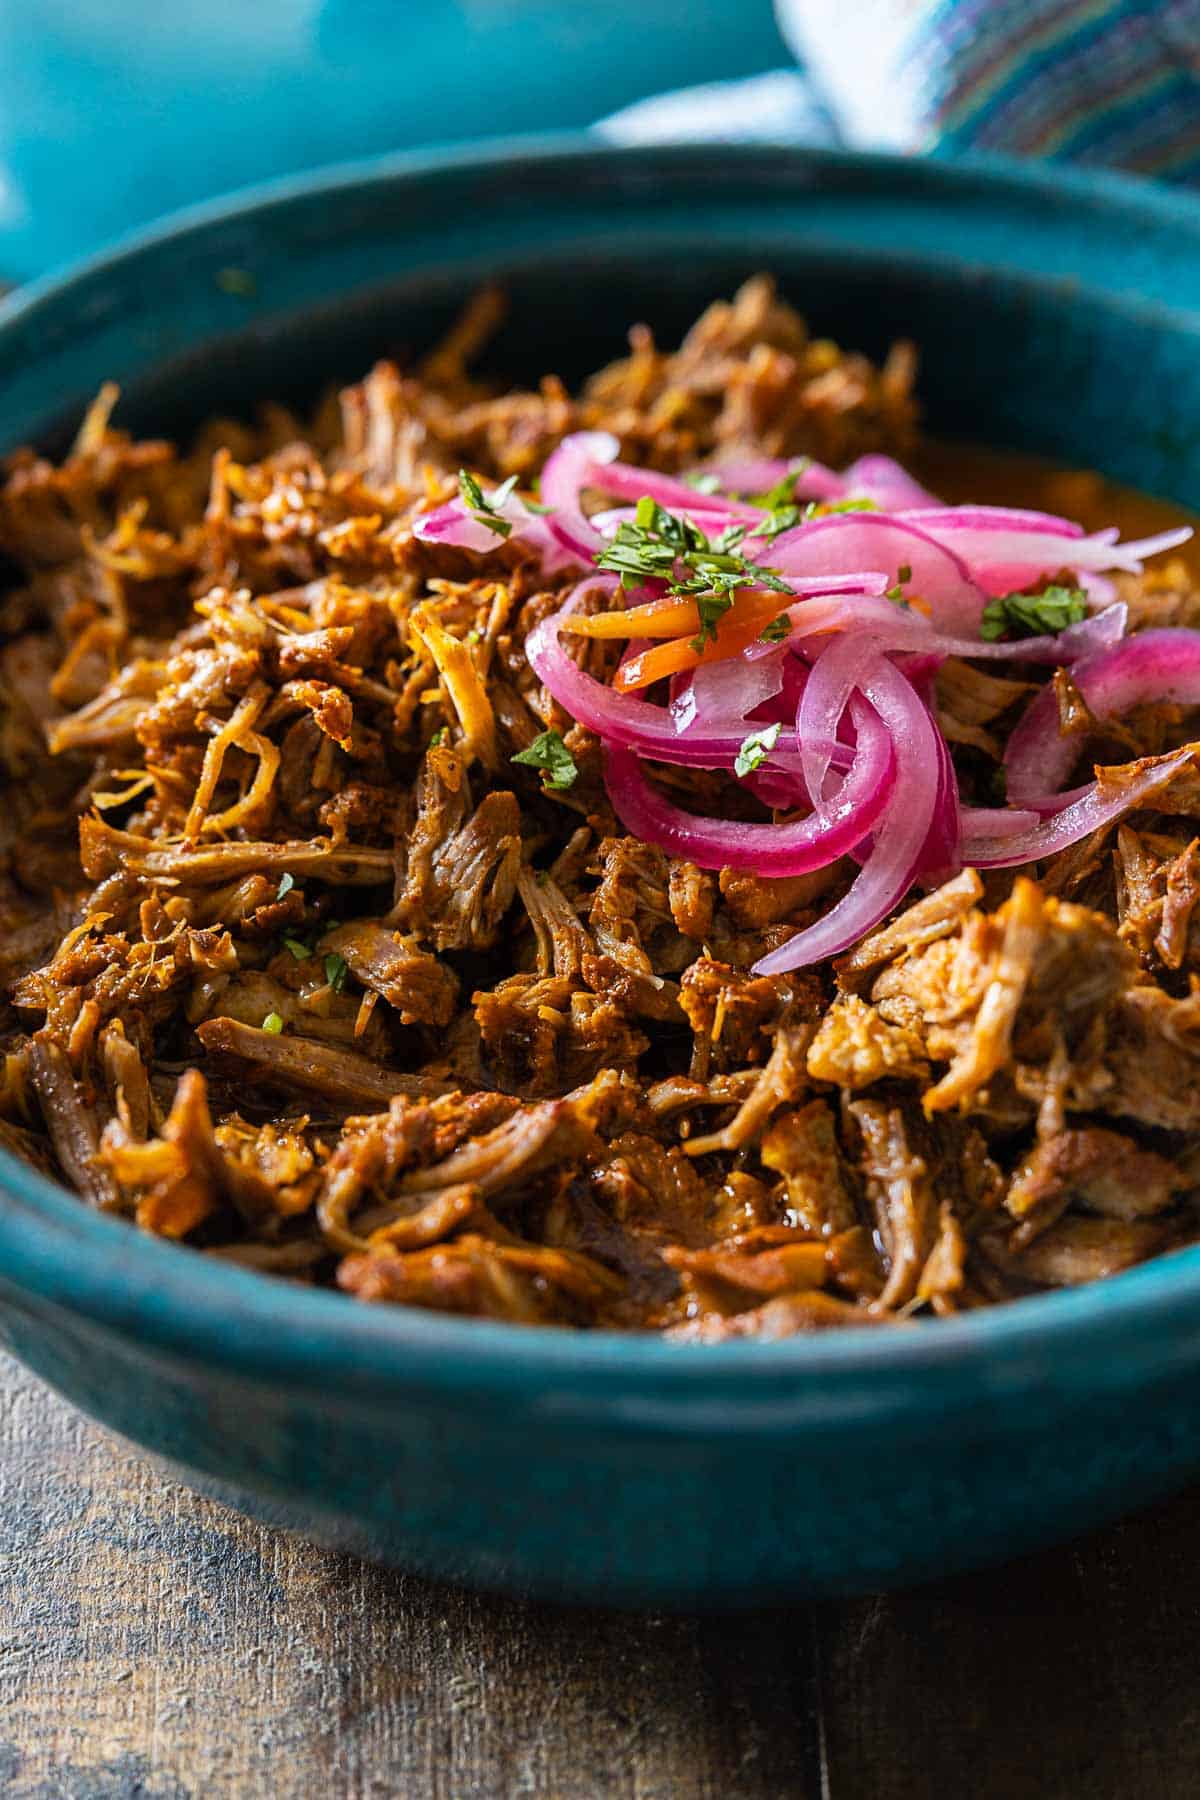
(1054, 313)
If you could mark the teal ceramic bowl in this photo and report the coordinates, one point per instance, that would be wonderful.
(1056, 314)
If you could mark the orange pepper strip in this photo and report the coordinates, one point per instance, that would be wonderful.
(740, 627)
(666, 618)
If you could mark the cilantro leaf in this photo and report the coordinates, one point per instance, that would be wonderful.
(728, 540)
(754, 749)
(896, 594)
(470, 490)
(482, 510)
(712, 609)
(776, 631)
(824, 507)
(298, 948)
(273, 1023)
(781, 519)
(287, 882)
(336, 970)
(1032, 615)
(654, 543)
(784, 491)
(646, 547)
(549, 754)
(789, 513)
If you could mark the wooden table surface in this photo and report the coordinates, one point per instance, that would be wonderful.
(154, 1646)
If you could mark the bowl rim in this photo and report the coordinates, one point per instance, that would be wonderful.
(1176, 208)
(56, 1250)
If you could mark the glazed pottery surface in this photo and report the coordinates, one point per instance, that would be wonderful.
(1054, 313)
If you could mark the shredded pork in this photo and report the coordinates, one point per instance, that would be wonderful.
(301, 968)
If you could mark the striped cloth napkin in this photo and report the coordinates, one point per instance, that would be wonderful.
(1107, 83)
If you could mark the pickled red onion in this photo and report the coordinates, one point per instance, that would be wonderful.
(1161, 665)
(846, 681)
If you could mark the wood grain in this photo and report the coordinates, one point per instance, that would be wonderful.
(155, 1647)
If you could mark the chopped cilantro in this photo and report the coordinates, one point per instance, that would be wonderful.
(549, 754)
(336, 970)
(776, 631)
(1032, 615)
(637, 557)
(712, 609)
(654, 543)
(299, 949)
(782, 519)
(482, 510)
(287, 882)
(754, 749)
(896, 594)
(439, 737)
(784, 516)
(783, 493)
(273, 1023)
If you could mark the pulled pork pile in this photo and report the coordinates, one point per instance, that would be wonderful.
(300, 967)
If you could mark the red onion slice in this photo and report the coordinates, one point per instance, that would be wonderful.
(992, 518)
(456, 526)
(625, 720)
(902, 833)
(1094, 809)
(1003, 561)
(759, 474)
(795, 848)
(824, 547)
(576, 464)
(899, 630)
(986, 822)
(722, 695)
(883, 480)
(1153, 665)
(837, 671)
(1101, 590)
(632, 484)
(940, 854)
